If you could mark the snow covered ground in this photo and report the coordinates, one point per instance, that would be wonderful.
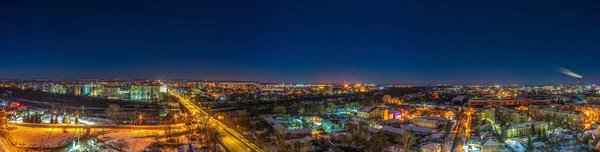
(515, 145)
(130, 134)
(46, 136)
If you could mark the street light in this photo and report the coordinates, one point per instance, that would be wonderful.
(140, 118)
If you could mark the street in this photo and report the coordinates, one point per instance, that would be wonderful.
(232, 141)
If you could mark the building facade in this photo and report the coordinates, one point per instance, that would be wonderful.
(510, 116)
(509, 102)
(562, 118)
(424, 123)
(524, 129)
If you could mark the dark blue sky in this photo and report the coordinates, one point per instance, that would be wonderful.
(386, 41)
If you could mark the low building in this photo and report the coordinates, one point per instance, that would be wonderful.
(424, 122)
(416, 129)
(392, 131)
(563, 118)
(502, 101)
(592, 112)
(524, 129)
(378, 113)
(490, 146)
(364, 112)
(431, 147)
(487, 114)
(382, 113)
(299, 144)
(287, 132)
(510, 116)
(593, 99)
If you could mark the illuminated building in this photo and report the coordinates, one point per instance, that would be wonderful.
(593, 99)
(379, 113)
(592, 113)
(509, 102)
(424, 122)
(387, 99)
(431, 147)
(364, 112)
(563, 118)
(383, 113)
(524, 129)
(487, 114)
(510, 116)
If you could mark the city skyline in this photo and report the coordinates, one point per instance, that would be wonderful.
(315, 42)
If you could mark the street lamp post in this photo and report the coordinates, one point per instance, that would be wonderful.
(140, 118)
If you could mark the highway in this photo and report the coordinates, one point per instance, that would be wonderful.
(232, 143)
(232, 140)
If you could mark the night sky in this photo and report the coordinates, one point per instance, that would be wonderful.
(379, 41)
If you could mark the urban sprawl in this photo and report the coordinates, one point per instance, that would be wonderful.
(186, 115)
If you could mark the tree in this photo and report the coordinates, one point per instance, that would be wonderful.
(331, 107)
(214, 137)
(347, 106)
(406, 140)
(354, 105)
(301, 111)
(279, 110)
(543, 135)
(529, 145)
(387, 99)
(532, 129)
(121, 144)
(356, 135)
(154, 147)
(242, 119)
(76, 114)
(377, 142)
(320, 109)
(113, 112)
(309, 109)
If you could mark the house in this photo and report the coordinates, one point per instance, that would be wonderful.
(395, 149)
(378, 113)
(364, 112)
(299, 144)
(416, 129)
(393, 131)
(424, 122)
(431, 147)
(490, 146)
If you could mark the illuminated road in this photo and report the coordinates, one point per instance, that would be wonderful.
(232, 140)
(232, 143)
(144, 127)
(4, 148)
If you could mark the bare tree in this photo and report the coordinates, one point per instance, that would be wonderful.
(357, 135)
(154, 147)
(113, 112)
(121, 144)
(406, 140)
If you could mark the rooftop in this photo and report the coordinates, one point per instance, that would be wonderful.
(490, 142)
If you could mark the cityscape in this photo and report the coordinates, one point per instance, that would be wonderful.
(181, 115)
(299, 76)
